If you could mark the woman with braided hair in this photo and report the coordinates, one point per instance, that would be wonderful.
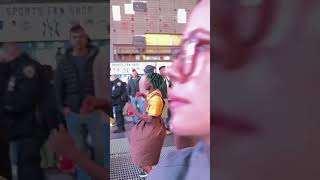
(148, 134)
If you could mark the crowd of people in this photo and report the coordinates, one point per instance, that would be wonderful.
(124, 93)
(35, 100)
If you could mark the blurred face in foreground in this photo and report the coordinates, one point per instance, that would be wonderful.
(266, 92)
(190, 73)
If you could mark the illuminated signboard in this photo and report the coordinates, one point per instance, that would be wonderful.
(163, 39)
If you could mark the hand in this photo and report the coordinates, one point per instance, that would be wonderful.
(131, 110)
(63, 144)
(66, 110)
(88, 105)
(140, 94)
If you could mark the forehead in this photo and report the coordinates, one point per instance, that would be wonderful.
(199, 18)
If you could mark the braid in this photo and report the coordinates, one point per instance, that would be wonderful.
(157, 81)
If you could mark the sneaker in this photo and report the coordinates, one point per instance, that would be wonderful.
(119, 130)
(143, 174)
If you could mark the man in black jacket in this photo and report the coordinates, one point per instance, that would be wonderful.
(20, 100)
(118, 90)
(80, 74)
(133, 88)
(5, 166)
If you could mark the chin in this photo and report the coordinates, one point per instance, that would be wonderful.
(181, 126)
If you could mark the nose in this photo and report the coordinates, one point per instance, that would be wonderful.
(173, 73)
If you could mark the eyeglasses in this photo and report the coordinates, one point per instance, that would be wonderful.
(239, 26)
(185, 57)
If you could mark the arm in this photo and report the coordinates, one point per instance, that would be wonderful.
(90, 166)
(146, 117)
(129, 87)
(63, 145)
(59, 86)
(140, 94)
(92, 103)
(103, 104)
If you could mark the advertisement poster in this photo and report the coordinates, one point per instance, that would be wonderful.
(124, 70)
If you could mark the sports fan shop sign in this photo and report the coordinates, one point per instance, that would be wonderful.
(51, 22)
(126, 68)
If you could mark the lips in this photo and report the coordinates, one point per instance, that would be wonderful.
(176, 101)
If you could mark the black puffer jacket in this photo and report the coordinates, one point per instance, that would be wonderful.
(67, 81)
(133, 86)
(21, 97)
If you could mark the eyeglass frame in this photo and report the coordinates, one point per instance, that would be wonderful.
(182, 56)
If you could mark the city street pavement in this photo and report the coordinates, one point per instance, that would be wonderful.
(122, 167)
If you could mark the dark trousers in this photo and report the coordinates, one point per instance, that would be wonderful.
(29, 159)
(5, 165)
(118, 113)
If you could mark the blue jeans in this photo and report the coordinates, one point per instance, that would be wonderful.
(95, 126)
(139, 105)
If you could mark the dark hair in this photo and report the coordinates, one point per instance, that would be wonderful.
(162, 67)
(76, 28)
(149, 69)
(157, 81)
(134, 70)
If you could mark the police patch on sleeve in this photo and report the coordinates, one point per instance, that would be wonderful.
(29, 71)
(119, 83)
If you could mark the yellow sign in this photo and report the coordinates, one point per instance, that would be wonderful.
(163, 39)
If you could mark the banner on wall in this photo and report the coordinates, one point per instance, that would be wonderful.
(125, 68)
(48, 22)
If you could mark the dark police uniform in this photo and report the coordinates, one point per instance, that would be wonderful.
(20, 100)
(118, 89)
(5, 166)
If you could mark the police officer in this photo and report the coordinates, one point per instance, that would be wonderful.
(118, 102)
(5, 166)
(19, 105)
